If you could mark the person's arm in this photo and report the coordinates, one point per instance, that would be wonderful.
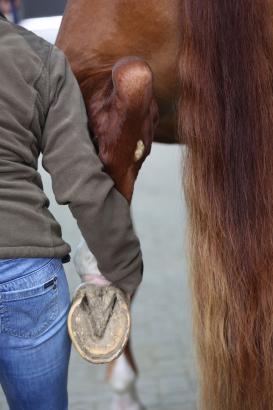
(78, 179)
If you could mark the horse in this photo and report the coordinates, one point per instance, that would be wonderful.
(212, 69)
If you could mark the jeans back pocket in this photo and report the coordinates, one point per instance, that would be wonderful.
(28, 313)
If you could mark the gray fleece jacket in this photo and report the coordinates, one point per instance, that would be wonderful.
(42, 111)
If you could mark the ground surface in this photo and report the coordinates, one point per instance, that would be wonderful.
(161, 313)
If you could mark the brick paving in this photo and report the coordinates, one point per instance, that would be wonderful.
(161, 314)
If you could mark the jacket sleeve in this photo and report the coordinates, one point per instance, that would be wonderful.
(78, 179)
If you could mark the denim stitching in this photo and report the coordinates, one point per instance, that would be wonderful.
(56, 267)
(53, 308)
(27, 293)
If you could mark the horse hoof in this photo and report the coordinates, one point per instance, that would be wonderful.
(99, 322)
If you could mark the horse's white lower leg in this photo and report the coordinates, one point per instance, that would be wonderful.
(123, 381)
(86, 265)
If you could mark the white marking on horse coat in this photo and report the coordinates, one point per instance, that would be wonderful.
(140, 149)
(86, 265)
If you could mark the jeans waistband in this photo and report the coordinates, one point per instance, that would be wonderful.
(11, 269)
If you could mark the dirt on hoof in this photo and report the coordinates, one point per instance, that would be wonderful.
(99, 322)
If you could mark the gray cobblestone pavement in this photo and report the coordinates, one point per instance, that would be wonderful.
(161, 314)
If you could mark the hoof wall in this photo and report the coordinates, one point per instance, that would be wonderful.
(99, 322)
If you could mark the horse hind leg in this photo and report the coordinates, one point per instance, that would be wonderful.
(128, 96)
(132, 80)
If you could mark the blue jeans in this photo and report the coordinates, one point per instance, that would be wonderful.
(34, 342)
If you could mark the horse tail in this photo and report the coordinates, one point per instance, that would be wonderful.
(226, 120)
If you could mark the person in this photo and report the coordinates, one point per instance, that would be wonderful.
(42, 111)
(11, 9)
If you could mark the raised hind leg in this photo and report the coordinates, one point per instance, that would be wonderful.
(123, 115)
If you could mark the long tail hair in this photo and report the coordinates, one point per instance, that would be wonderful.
(226, 120)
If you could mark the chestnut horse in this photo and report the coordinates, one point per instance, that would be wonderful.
(212, 64)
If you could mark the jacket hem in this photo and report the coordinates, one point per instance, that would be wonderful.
(34, 252)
